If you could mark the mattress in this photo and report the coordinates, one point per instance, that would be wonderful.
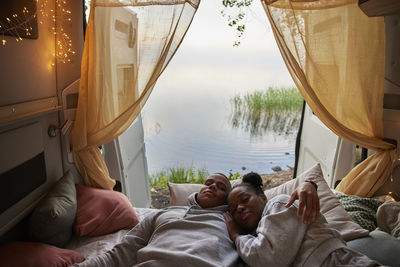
(91, 246)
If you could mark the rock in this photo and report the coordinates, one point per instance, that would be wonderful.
(160, 198)
(276, 169)
(275, 179)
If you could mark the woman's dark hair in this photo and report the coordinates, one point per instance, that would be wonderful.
(252, 180)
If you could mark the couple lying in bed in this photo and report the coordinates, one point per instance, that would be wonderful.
(264, 232)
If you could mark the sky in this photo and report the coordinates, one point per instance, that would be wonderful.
(207, 50)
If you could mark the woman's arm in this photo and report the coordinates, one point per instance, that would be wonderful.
(278, 237)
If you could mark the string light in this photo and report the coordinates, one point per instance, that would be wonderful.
(14, 24)
(59, 16)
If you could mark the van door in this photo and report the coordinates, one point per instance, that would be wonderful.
(126, 160)
(318, 144)
(125, 156)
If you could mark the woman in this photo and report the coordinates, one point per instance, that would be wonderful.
(267, 233)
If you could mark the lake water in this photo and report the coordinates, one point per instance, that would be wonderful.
(188, 118)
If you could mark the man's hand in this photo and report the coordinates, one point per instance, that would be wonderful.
(308, 197)
(233, 228)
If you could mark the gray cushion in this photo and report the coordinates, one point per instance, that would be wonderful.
(52, 219)
(379, 246)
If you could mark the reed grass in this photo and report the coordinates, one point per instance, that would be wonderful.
(271, 99)
(276, 109)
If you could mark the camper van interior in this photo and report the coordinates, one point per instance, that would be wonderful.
(71, 93)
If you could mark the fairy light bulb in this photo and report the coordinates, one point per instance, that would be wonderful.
(15, 24)
(57, 16)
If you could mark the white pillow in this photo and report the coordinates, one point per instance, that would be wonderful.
(330, 206)
(179, 193)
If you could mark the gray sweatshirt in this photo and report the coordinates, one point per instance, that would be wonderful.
(175, 236)
(283, 240)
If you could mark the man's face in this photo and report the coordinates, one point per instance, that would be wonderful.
(214, 191)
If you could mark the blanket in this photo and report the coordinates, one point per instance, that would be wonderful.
(361, 210)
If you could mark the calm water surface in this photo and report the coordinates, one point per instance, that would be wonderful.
(194, 129)
(187, 119)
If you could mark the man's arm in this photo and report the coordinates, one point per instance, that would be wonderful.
(278, 237)
(308, 198)
(125, 252)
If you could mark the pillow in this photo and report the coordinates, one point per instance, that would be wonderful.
(32, 254)
(330, 206)
(179, 193)
(102, 211)
(388, 218)
(52, 219)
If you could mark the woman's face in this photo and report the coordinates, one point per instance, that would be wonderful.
(246, 207)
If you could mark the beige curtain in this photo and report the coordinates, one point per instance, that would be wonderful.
(336, 56)
(128, 45)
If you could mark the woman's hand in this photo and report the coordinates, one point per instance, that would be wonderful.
(233, 228)
(307, 195)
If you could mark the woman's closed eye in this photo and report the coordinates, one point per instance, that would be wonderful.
(244, 200)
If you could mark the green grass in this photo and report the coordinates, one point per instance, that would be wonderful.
(178, 175)
(182, 175)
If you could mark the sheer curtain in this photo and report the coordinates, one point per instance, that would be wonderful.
(128, 45)
(336, 56)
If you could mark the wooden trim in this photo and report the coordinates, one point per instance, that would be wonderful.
(28, 109)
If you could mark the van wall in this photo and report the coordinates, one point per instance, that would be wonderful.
(391, 113)
(31, 85)
(391, 105)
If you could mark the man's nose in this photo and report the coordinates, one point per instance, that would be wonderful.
(213, 186)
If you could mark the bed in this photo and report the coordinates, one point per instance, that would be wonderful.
(75, 222)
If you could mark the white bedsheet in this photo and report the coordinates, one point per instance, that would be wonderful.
(91, 246)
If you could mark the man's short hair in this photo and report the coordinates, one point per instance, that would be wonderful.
(220, 173)
(229, 181)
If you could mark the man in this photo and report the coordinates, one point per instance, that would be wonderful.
(188, 236)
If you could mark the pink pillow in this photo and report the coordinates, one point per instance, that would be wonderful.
(33, 254)
(102, 211)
